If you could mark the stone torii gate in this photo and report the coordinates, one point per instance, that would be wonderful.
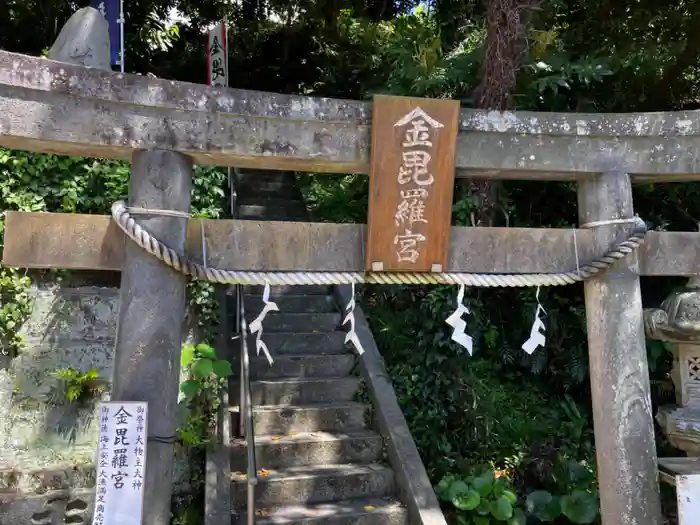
(165, 126)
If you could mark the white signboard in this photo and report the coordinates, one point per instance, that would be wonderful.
(217, 56)
(121, 463)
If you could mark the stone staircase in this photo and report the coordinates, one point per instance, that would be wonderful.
(318, 460)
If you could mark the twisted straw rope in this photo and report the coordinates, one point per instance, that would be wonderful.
(145, 240)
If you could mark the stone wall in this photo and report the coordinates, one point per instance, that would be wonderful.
(48, 445)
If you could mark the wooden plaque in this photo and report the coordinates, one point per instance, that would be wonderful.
(411, 183)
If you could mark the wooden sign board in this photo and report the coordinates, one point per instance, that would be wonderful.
(121, 463)
(217, 56)
(411, 183)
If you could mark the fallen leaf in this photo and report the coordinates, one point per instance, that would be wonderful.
(369, 508)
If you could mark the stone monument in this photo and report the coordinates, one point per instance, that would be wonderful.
(677, 321)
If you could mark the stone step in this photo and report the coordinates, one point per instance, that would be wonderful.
(267, 218)
(286, 322)
(266, 189)
(296, 304)
(246, 184)
(283, 289)
(300, 391)
(365, 511)
(301, 366)
(283, 419)
(315, 484)
(307, 448)
(266, 175)
(252, 212)
(267, 199)
(299, 343)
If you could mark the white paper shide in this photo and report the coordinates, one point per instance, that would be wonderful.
(256, 327)
(121, 463)
(537, 331)
(459, 335)
(414, 174)
(351, 336)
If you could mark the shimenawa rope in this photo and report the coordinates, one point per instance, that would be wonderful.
(121, 215)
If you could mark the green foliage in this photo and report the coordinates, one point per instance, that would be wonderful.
(31, 182)
(15, 307)
(481, 499)
(490, 498)
(500, 408)
(202, 366)
(336, 198)
(189, 514)
(420, 66)
(464, 410)
(205, 377)
(78, 386)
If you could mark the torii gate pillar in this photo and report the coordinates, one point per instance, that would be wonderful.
(622, 414)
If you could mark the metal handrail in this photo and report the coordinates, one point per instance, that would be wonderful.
(247, 429)
(245, 422)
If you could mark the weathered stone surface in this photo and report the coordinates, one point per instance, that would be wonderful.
(412, 481)
(67, 329)
(57, 506)
(294, 303)
(47, 445)
(311, 439)
(366, 511)
(257, 212)
(54, 107)
(83, 40)
(302, 391)
(308, 448)
(284, 322)
(303, 342)
(312, 484)
(55, 240)
(621, 401)
(340, 417)
(311, 365)
(74, 314)
(678, 318)
(150, 328)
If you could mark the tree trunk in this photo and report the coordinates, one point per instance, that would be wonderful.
(507, 22)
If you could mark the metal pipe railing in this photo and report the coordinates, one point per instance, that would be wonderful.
(245, 421)
(246, 410)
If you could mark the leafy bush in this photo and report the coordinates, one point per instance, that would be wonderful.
(202, 367)
(206, 376)
(481, 500)
(489, 498)
(79, 386)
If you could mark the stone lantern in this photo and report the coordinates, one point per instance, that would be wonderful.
(678, 322)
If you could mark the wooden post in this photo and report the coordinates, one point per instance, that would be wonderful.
(151, 315)
(622, 415)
